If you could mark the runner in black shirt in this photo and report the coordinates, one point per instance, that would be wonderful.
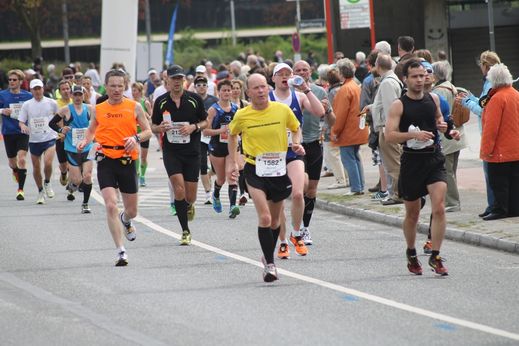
(181, 115)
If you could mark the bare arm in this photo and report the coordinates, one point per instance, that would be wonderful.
(311, 103)
(232, 172)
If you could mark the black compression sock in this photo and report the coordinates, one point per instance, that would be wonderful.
(22, 174)
(217, 190)
(233, 191)
(435, 253)
(275, 234)
(309, 210)
(181, 207)
(87, 189)
(266, 243)
(411, 252)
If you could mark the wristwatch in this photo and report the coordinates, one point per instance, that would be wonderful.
(197, 127)
(137, 138)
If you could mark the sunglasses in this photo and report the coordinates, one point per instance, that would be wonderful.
(68, 76)
(13, 80)
(429, 70)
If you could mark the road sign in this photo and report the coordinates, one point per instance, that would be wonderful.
(311, 23)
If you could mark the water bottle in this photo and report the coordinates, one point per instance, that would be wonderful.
(296, 81)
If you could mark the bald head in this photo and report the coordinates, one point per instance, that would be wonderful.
(383, 63)
(254, 79)
(303, 69)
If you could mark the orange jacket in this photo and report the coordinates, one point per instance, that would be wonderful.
(346, 106)
(114, 124)
(500, 122)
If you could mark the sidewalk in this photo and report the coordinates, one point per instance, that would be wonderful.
(464, 225)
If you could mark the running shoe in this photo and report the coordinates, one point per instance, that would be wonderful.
(243, 200)
(63, 179)
(47, 187)
(427, 247)
(142, 181)
(41, 198)
(20, 196)
(283, 252)
(85, 209)
(307, 238)
(70, 195)
(270, 273)
(217, 205)
(186, 238)
(299, 244)
(129, 230)
(122, 259)
(378, 196)
(208, 198)
(190, 212)
(172, 209)
(414, 266)
(436, 263)
(234, 211)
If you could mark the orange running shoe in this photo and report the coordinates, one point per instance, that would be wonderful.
(299, 244)
(283, 252)
(427, 247)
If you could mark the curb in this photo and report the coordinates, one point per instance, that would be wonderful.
(451, 233)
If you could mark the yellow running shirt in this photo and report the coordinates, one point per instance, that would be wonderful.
(263, 131)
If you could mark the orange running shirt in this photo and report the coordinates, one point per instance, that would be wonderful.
(114, 124)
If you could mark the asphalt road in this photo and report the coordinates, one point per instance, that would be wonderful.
(58, 284)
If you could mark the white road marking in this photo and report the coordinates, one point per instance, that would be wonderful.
(376, 299)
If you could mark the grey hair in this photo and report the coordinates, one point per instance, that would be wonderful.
(442, 70)
(346, 68)
(383, 47)
(360, 57)
(384, 61)
(322, 71)
(235, 62)
(499, 76)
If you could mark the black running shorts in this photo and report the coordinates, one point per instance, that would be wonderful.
(145, 144)
(112, 173)
(313, 159)
(15, 143)
(417, 170)
(276, 188)
(188, 166)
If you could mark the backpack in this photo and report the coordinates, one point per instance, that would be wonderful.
(460, 115)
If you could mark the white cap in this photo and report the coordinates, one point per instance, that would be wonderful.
(152, 71)
(36, 83)
(281, 66)
(200, 69)
(30, 71)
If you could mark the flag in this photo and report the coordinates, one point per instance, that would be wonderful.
(170, 55)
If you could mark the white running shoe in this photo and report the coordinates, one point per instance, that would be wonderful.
(129, 229)
(307, 238)
(41, 198)
(47, 187)
(122, 259)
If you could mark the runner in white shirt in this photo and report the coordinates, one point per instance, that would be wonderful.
(34, 120)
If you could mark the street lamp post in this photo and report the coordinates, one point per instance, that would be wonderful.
(233, 24)
(491, 25)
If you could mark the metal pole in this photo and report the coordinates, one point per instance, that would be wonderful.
(298, 17)
(148, 29)
(491, 25)
(64, 18)
(329, 29)
(233, 24)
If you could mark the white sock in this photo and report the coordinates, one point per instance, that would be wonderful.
(121, 249)
(296, 233)
(284, 242)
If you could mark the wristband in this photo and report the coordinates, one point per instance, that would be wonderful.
(137, 138)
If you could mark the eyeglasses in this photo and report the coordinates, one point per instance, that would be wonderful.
(201, 85)
(13, 80)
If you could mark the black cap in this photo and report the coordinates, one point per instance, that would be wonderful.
(200, 79)
(77, 89)
(176, 71)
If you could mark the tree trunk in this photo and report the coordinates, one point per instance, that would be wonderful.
(36, 43)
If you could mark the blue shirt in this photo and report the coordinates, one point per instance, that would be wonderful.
(11, 126)
(76, 121)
